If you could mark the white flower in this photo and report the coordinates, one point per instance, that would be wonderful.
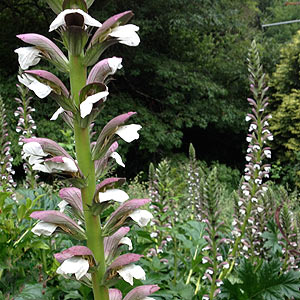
(141, 216)
(267, 153)
(132, 271)
(153, 234)
(40, 89)
(118, 158)
(226, 266)
(126, 34)
(129, 132)
(44, 228)
(252, 127)
(57, 113)
(240, 203)
(62, 205)
(247, 119)
(67, 165)
(33, 149)
(260, 209)
(60, 19)
(248, 139)
(74, 265)
(247, 177)
(126, 241)
(113, 194)
(86, 106)
(115, 64)
(204, 260)
(27, 57)
(248, 158)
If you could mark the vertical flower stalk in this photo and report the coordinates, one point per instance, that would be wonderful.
(83, 210)
(7, 182)
(25, 128)
(250, 208)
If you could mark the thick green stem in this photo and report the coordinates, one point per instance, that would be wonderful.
(86, 165)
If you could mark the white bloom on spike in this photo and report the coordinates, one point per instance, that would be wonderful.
(57, 113)
(240, 203)
(247, 177)
(74, 265)
(126, 34)
(115, 64)
(247, 119)
(267, 153)
(113, 194)
(141, 216)
(117, 157)
(249, 139)
(126, 241)
(33, 149)
(60, 19)
(43, 228)
(67, 165)
(129, 132)
(62, 205)
(27, 57)
(132, 271)
(40, 89)
(86, 106)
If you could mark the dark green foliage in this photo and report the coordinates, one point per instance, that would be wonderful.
(265, 283)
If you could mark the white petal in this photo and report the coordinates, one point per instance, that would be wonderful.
(118, 158)
(129, 132)
(126, 241)
(33, 160)
(74, 265)
(113, 194)
(132, 271)
(60, 19)
(41, 168)
(126, 34)
(27, 57)
(34, 148)
(68, 165)
(115, 64)
(57, 113)
(44, 228)
(86, 106)
(141, 216)
(62, 205)
(40, 89)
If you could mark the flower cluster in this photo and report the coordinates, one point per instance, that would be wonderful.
(95, 214)
(7, 182)
(249, 205)
(25, 128)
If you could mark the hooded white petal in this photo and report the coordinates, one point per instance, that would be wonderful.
(126, 241)
(33, 148)
(126, 34)
(74, 265)
(44, 228)
(40, 89)
(27, 57)
(41, 168)
(115, 155)
(86, 106)
(132, 271)
(129, 132)
(60, 19)
(141, 216)
(68, 165)
(113, 194)
(57, 113)
(62, 205)
(115, 64)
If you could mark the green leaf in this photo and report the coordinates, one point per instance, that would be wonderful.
(31, 291)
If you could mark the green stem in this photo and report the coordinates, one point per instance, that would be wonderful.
(86, 165)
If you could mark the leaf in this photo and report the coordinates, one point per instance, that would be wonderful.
(31, 291)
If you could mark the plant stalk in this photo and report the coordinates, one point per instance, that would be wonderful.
(83, 154)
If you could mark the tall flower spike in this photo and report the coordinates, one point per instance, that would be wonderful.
(25, 128)
(249, 205)
(7, 182)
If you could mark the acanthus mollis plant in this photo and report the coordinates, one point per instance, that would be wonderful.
(7, 182)
(25, 127)
(213, 255)
(97, 215)
(194, 174)
(250, 211)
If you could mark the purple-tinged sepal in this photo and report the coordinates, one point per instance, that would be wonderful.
(62, 221)
(72, 196)
(104, 68)
(73, 251)
(106, 137)
(115, 294)
(120, 215)
(46, 49)
(141, 292)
